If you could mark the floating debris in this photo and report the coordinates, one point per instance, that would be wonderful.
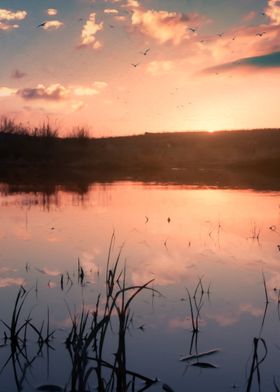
(204, 354)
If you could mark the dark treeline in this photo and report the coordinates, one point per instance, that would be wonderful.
(40, 150)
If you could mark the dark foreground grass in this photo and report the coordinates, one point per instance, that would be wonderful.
(91, 335)
(24, 147)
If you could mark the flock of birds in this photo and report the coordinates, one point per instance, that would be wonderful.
(193, 30)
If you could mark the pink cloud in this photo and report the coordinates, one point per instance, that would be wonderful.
(54, 92)
(9, 15)
(6, 26)
(164, 26)
(6, 282)
(52, 25)
(52, 11)
(157, 68)
(111, 11)
(89, 31)
(273, 11)
(7, 92)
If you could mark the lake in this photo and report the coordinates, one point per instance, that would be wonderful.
(209, 320)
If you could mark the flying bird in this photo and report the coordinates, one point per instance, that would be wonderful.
(261, 34)
(220, 35)
(41, 24)
(192, 29)
(135, 65)
(146, 51)
(147, 219)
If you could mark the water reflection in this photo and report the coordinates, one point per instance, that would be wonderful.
(215, 242)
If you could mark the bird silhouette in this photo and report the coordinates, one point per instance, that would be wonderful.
(192, 29)
(41, 24)
(146, 51)
(220, 35)
(147, 219)
(135, 65)
(168, 220)
(261, 34)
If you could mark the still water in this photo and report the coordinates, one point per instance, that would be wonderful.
(218, 245)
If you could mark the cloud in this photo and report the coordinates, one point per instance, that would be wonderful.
(52, 11)
(52, 25)
(132, 4)
(100, 85)
(273, 11)
(111, 11)
(250, 16)
(6, 26)
(90, 28)
(7, 92)
(163, 26)
(77, 105)
(235, 46)
(55, 92)
(120, 18)
(268, 61)
(48, 271)
(157, 68)
(94, 89)
(6, 282)
(17, 74)
(85, 91)
(9, 15)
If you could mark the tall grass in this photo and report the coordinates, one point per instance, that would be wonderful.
(91, 331)
(90, 335)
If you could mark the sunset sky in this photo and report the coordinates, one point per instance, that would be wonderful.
(124, 67)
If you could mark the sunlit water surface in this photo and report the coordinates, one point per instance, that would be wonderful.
(178, 236)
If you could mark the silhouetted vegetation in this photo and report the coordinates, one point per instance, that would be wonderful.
(166, 155)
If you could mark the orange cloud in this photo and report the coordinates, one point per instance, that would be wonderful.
(90, 28)
(100, 85)
(157, 68)
(236, 46)
(10, 15)
(85, 91)
(7, 92)
(132, 4)
(77, 105)
(52, 25)
(111, 11)
(163, 26)
(52, 11)
(6, 26)
(94, 89)
(273, 11)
